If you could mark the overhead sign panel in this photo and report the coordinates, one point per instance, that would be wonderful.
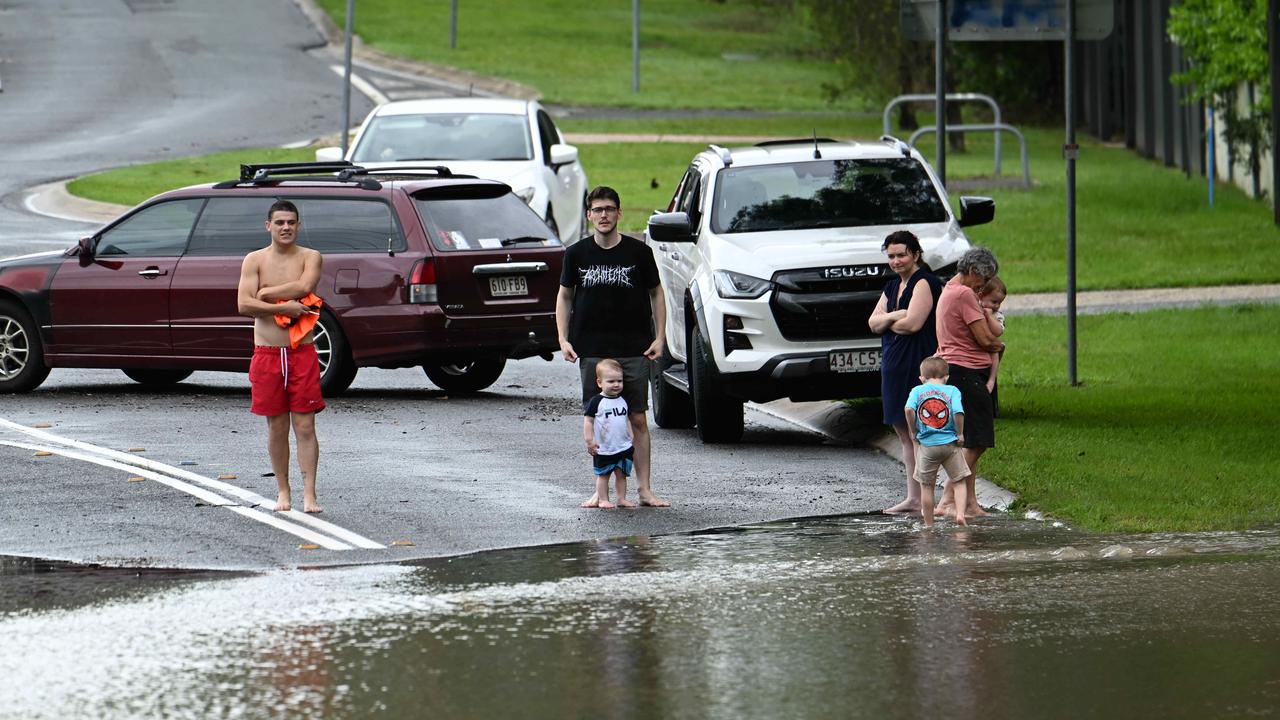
(1007, 20)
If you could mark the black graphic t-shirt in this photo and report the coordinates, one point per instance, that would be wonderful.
(612, 316)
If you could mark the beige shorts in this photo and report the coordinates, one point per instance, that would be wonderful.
(949, 457)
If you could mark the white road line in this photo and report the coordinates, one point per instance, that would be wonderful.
(248, 496)
(209, 497)
(363, 86)
(459, 88)
(336, 531)
(263, 516)
(200, 493)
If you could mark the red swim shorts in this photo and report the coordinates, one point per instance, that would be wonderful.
(284, 380)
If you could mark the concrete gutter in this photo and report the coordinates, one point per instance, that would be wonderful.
(835, 420)
(53, 200)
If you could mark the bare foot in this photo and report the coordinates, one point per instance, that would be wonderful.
(283, 502)
(313, 508)
(593, 501)
(651, 500)
(906, 507)
(623, 502)
(606, 505)
(960, 519)
(975, 511)
(941, 509)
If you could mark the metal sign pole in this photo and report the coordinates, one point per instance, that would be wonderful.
(940, 90)
(453, 24)
(635, 46)
(1273, 46)
(1070, 151)
(1213, 159)
(346, 79)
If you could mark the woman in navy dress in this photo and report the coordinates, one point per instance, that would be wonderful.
(906, 323)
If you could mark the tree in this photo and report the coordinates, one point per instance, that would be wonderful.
(864, 39)
(1226, 42)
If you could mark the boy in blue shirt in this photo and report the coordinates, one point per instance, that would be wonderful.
(935, 417)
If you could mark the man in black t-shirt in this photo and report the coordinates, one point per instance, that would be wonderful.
(611, 305)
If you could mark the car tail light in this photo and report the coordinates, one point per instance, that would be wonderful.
(422, 282)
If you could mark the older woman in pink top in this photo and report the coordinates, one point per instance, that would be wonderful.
(966, 343)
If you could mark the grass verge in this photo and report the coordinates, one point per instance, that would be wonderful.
(692, 54)
(131, 185)
(1167, 430)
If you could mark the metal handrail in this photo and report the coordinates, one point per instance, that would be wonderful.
(958, 97)
(995, 127)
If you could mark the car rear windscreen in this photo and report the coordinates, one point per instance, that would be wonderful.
(472, 221)
(825, 193)
(445, 136)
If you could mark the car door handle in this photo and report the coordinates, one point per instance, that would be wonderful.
(152, 272)
(674, 256)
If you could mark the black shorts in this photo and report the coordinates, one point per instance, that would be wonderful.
(979, 413)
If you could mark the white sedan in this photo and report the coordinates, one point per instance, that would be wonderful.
(513, 141)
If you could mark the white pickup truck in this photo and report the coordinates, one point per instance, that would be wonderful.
(771, 264)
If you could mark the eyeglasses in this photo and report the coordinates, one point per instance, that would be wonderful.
(603, 210)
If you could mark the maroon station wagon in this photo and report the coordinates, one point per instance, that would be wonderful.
(421, 267)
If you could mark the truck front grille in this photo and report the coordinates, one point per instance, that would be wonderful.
(827, 303)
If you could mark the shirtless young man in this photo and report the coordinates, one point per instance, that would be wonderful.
(285, 382)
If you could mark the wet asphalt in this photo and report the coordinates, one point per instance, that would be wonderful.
(402, 464)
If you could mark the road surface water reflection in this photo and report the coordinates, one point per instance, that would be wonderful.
(863, 616)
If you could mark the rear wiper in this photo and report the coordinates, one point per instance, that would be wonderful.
(523, 239)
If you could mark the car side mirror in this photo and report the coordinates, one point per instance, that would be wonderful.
(328, 154)
(83, 250)
(671, 227)
(976, 210)
(563, 154)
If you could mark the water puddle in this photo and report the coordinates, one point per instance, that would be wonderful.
(842, 617)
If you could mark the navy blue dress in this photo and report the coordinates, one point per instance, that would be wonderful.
(901, 354)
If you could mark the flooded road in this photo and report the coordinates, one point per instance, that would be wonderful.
(855, 616)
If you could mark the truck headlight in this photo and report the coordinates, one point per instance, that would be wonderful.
(738, 286)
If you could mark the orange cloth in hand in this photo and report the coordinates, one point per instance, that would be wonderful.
(299, 327)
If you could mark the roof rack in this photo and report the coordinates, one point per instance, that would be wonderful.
(807, 141)
(264, 170)
(439, 170)
(275, 172)
(900, 146)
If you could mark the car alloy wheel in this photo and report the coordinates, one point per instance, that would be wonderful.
(22, 365)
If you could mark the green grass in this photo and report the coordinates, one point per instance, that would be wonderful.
(580, 54)
(132, 185)
(1170, 429)
(1138, 223)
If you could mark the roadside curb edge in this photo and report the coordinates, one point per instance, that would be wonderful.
(833, 420)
